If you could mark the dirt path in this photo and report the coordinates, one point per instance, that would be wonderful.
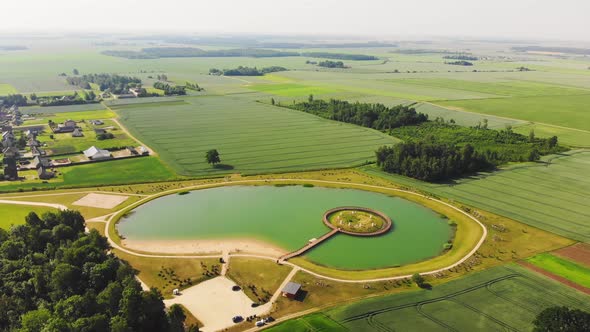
(358, 185)
(555, 277)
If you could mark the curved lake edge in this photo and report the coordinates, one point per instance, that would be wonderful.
(469, 236)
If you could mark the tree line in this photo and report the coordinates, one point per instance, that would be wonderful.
(461, 57)
(15, 99)
(246, 71)
(331, 64)
(170, 90)
(459, 63)
(56, 277)
(376, 116)
(116, 84)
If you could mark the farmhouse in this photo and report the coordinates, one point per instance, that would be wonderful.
(94, 153)
(36, 151)
(96, 122)
(291, 290)
(39, 162)
(66, 127)
(100, 131)
(11, 154)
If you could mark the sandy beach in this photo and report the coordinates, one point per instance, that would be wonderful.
(205, 246)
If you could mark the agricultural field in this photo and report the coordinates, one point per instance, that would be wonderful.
(251, 137)
(570, 270)
(550, 194)
(125, 171)
(15, 214)
(501, 298)
(7, 89)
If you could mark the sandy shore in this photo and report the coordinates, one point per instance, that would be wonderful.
(205, 246)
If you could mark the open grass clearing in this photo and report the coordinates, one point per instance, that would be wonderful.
(167, 274)
(251, 137)
(563, 267)
(507, 297)
(15, 214)
(258, 278)
(125, 171)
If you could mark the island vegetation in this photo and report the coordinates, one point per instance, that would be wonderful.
(169, 90)
(116, 84)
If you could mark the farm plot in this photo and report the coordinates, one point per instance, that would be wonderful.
(551, 195)
(7, 89)
(567, 111)
(562, 267)
(251, 137)
(60, 109)
(501, 298)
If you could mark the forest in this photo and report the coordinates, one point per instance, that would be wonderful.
(331, 64)
(116, 84)
(246, 71)
(376, 116)
(56, 277)
(170, 90)
(15, 99)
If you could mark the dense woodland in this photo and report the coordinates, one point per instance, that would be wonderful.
(461, 57)
(15, 99)
(459, 63)
(170, 90)
(376, 116)
(55, 277)
(116, 84)
(340, 56)
(331, 64)
(246, 71)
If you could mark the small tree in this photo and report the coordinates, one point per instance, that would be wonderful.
(212, 157)
(532, 136)
(272, 101)
(562, 319)
(75, 71)
(418, 279)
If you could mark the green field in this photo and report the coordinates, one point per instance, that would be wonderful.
(567, 111)
(291, 89)
(7, 89)
(15, 214)
(498, 299)
(563, 267)
(551, 194)
(135, 170)
(251, 137)
(61, 109)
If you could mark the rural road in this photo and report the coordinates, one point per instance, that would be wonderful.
(51, 205)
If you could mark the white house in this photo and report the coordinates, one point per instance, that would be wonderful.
(94, 153)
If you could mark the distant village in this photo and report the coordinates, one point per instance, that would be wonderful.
(23, 151)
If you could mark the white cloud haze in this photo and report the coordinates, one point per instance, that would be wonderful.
(540, 19)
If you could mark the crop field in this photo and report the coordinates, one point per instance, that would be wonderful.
(135, 170)
(15, 214)
(292, 89)
(60, 109)
(251, 137)
(563, 267)
(7, 89)
(43, 118)
(551, 194)
(501, 298)
(567, 111)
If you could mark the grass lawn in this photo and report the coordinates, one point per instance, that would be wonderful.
(257, 275)
(135, 170)
(502, 298)
(251, 137)
(7, 89)
(59, 117)
(167, 274)
(563, 267)
(15, 214)
(99, 226)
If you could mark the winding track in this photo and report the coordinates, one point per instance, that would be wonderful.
(358, 185)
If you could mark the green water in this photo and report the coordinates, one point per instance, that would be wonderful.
(288, 217)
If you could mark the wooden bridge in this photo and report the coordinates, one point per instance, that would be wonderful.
(309, 245)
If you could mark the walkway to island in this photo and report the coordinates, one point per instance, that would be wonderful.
(314, 242)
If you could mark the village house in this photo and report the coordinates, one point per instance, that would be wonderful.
(96, 122)
(94, 153)
(11, 154)
(99, 131)
(40, 162)
(66, 127)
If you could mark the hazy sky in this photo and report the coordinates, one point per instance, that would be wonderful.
(541, 19)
